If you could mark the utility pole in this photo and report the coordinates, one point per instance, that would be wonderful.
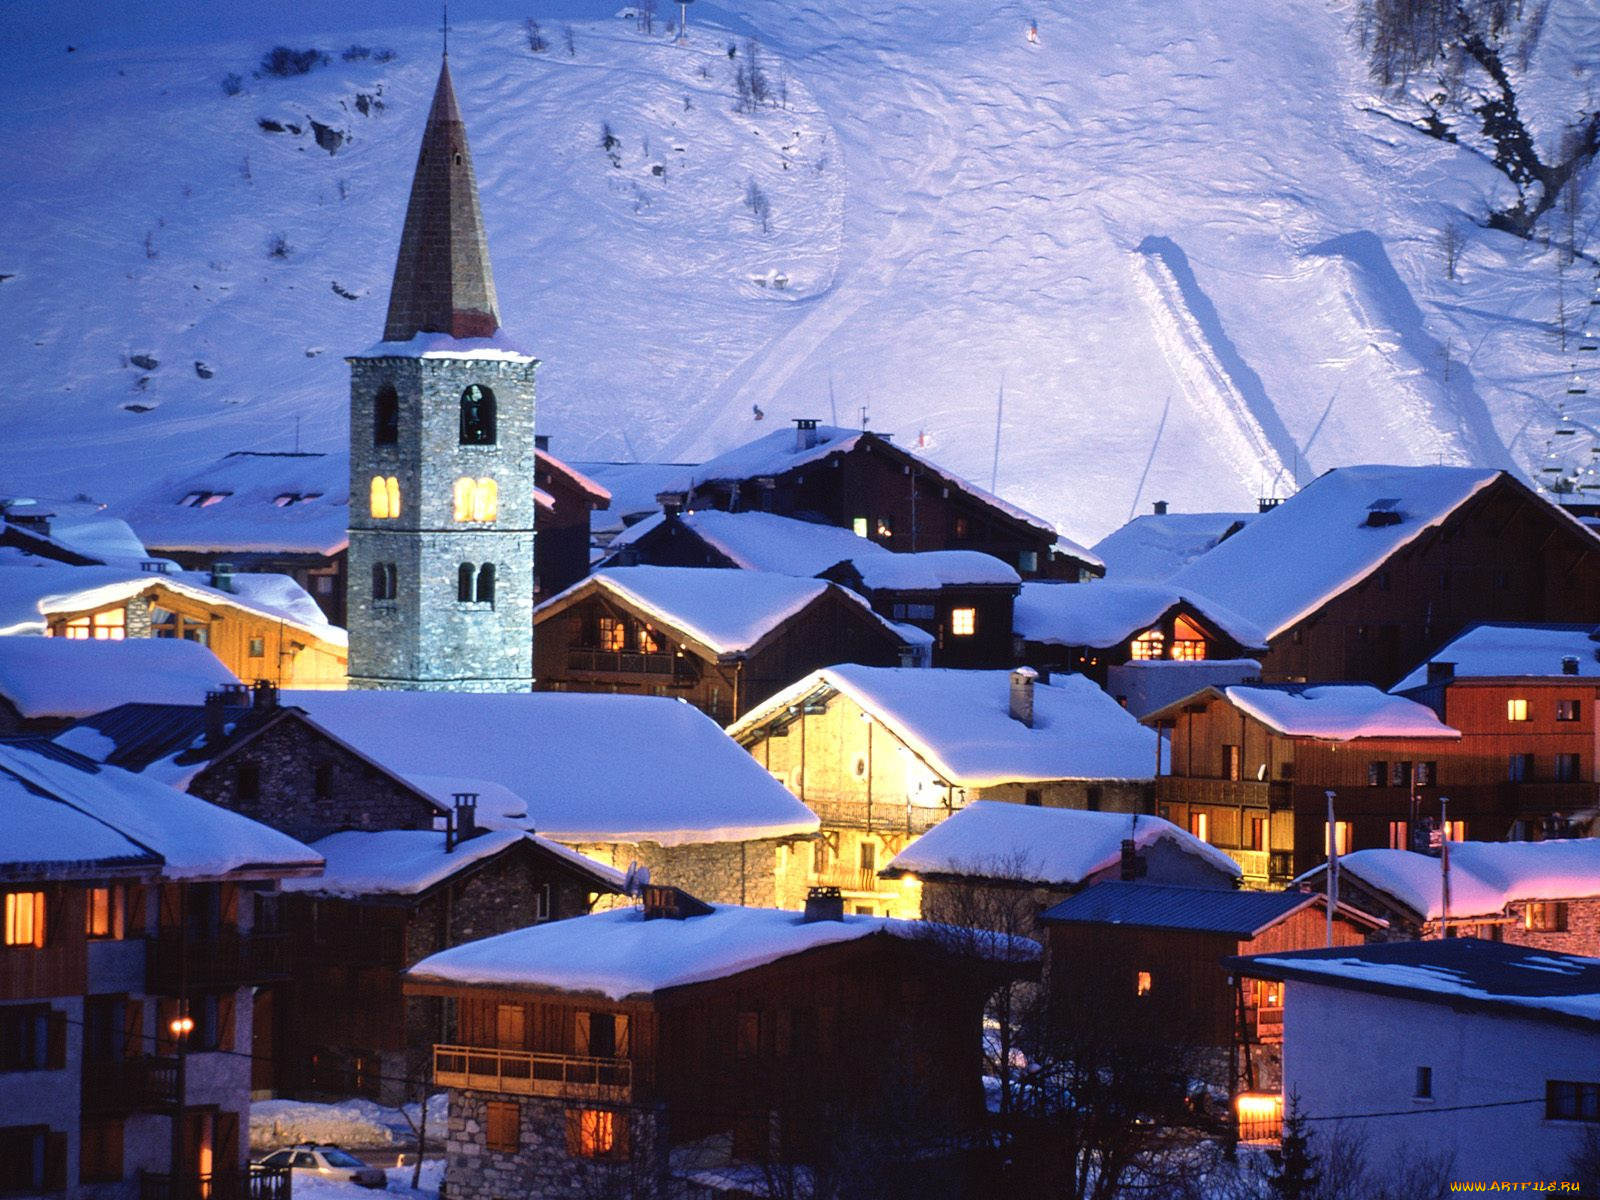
(1333, 866)
(1444, 866)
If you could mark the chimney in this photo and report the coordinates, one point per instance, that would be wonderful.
(216, 717)
(1022, 680)
(823, 904)
(1160, 507)
(264, 695)
(1268, 502)
(1441, 672)
(908, 656)
(541, 441)
(463, 821)
(671, 502)
(153, 566)
(222, 576)
(1569, 664)
(805, 433)
(1133, 867)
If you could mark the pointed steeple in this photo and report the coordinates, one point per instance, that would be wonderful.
(442, 279)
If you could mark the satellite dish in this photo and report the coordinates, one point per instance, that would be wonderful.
(636, 880)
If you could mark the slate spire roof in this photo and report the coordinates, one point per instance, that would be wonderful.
(442, 279)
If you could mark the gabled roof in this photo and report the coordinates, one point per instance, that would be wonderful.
(1107, 613)
(249, 502)
(930, 570)
(77, 539)
(1505, 651)
(1200, 910)
(575, 767)
(1155, 547)
(1460, 973)
(758, 541)
(139, 820)
(1052, 847)
(165, 741)
(959, 724)
(598, 496)
(726, 611)
(411, 862)
(1293, 559)
(1334, 712)
(1484, 876)
(443, 282)
(619, 954)
(633, 487)
(62, 677)
(1148, 685)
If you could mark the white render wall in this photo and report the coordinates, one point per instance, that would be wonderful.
(1347, 1053)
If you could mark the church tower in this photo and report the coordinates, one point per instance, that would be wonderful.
(442, 453)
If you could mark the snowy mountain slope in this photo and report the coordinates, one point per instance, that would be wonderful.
(1184, 238)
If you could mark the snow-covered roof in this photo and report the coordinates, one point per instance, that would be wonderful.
(929, 570)
(727, 611)
(596, 492)
(574, 767)
(497, 347)
(1147, 685)
(633, 487)
(249, 502)
(1054, 847)
(31, 594)
(960, 723)
(62, 677)
(1495, 651)
(54, 799)
(759, 541)
(1140, 905)
(780, 452)
(1335, 712)
(1484, 876)
(1106, 612)
(97, 535)
(1293, 559)
(408, 862)
(1156, 546)
(619, 954)
(1463, 973)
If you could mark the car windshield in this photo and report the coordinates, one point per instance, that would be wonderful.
(279, 1159)
(338, 1158)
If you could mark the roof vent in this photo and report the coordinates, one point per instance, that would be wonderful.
(1569, 664)
(1383, 512)
(1022, 680)
(823, 904)
(1160, 507)
(1266, 502)
(672, 904)
(805, 433)
(222, 576)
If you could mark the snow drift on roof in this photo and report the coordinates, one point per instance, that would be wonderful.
(1106, 613)
(497, 347)
(1484, 876)
(959, 722)
(760, 541)
(633, 487)
(1148, 685)
(1155, 547)
(106, 538)
(1293, 559)
(1056, 847)
(619, 954)
(1339, 712)
(1514, 651)
(929, 570)
(62, 677)
(587, 768)
(407, 862)
(593, 490)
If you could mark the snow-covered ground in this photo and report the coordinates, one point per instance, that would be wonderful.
(355, 1122)
(1181, 239)
(312, 1188)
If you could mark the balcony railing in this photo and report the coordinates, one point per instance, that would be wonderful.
(229, 960)
(849, 879)
(523, 1073)
(258, 1183)
(130, 1084)
(880, 814)
(622, 662)
(1245, 793)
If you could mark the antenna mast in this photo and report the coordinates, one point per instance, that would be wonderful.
(445, 28)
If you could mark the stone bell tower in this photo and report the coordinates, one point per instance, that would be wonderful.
(442, 453)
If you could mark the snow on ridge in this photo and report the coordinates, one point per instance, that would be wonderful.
(1337, 712)
(1501, 651)
(1105, 612)
(66, 677)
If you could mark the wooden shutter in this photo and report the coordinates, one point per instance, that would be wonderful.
(575, 1125)
(166, 1014)
(137, 921)
(229, 905)
(619, 1126)
(227, 1024)
(170, 905)
(133, 1043)
(55, 1161)
(622, 1025)
(225, 1147)
(580, 1034)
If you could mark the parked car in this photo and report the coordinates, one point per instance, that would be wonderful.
(326, 1161)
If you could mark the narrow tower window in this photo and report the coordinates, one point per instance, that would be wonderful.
(385, 496)
(477, 416)
(486, 584)
(464, 577)
(383, 581)
(385, 417)
(476, 499)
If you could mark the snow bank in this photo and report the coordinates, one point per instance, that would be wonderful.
(407, 862)
(349, 1123)
(61, 677)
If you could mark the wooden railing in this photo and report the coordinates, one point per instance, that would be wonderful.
(525, 1073)
(1254, 863)
(880, 814)
(258, 1183)
(621, 662)
(1246, 793)
(129, 1084)
(849, 879)
(228, 960)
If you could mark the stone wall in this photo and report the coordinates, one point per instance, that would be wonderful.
(287, 756)
(541, 1164)
(716, 872)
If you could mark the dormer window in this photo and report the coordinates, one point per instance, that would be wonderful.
(477, 416)
(1188, 643)
(476, 499)
(203, 499)
(290, 499)
(1149, 645)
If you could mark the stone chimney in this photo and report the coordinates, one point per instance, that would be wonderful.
(1022, 680)
(1160, 507)
(805, 433)
(264, 695)
(541, 441)
(1569, 664)
(1441, 672)
(823, 904)
(463, 820)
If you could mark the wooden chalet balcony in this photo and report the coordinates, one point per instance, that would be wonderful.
(127, 1085)
(623, 662)
(850, 879)
(228, 960)
(881, 814)
(1264, 1025)
(258, 1183)
(1245, 793)
(524, 1073)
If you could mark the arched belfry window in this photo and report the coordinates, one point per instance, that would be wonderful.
(477, 416)
(386, 417)
(385, 499)
(486, 584)
(476, 499)
(475, 584)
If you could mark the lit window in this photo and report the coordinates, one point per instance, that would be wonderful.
(476, 499)
(883, 528)
(1142, 986)
(109, 626)
(1188, 643)
(649, 641)
(593, 1133)
(1342, 837)
(859, 526)
(25, 919)
(963, 621)
(105, 912)
(1569, 710)
(258, 647)
(1455, 831)
(385, 497)
(1399, 835)
(1148, 645)
(1546, 916)
(613, 634)
(1516, 710)
(1200, 825)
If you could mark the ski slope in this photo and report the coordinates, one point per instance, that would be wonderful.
(1185, 238)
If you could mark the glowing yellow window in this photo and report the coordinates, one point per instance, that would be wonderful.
(476, 499)
(1343, 837)
(963, 621)
(858, 526)
(649, 641)
(1148, 645)
(1516, 710)
(25, 919)
(385, 497)
(1188, 643)
(1143, 985)
(591, 1132)
(613, 634)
